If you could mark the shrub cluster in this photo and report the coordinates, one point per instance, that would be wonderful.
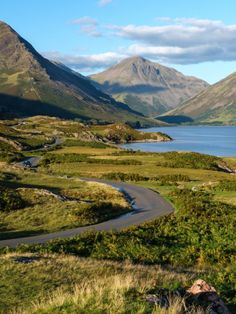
(69, 158)
(201, 232)
(190, 160)
(172, 179)
(100, 211)
(226, 186)
(10, 200)
(120, 176)
(75, 142)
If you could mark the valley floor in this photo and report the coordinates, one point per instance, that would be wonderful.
(109, 272)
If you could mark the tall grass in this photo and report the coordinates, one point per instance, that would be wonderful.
(66, 284)
(119, 293)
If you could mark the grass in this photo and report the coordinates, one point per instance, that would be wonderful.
(123, 133)
(153, 165)
(56, 205)
(200, 234)
(198, 237)
(66, 284)
(227, 197)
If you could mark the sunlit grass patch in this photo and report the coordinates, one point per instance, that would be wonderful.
(66, 284)
(51, 203)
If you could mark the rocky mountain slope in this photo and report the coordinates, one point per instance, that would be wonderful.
(147, 87)
(32, 85)
(216, 104)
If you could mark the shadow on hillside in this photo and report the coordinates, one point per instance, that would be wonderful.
(137, 89)
(175, 119)
(7, 234)
(17, 107)
(16, 185)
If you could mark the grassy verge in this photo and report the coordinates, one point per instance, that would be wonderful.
(66, 284)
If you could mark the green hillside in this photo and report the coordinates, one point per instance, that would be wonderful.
(216, 104)
(32, 85)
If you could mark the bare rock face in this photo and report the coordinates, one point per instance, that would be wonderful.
(200, 286)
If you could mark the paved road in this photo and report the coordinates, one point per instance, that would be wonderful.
(34, 160)
(148, 206)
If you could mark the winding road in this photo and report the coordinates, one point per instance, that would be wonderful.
(147, 205)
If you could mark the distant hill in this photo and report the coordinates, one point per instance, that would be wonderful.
(216, 104)
(147, 87)
(32, 85)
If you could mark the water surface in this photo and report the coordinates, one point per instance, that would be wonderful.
(212, 140)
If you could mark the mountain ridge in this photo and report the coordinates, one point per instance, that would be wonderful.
(27, 76)
(147, 87)
(216, 104)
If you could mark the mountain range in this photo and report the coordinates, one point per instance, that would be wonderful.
(147, 87)
(32, 85)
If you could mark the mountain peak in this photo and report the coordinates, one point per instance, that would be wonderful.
(135, 59)
(32, 85)
(15, 52)
(4, 25)
(150, 86)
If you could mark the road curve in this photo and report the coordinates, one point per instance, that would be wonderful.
(148, 205)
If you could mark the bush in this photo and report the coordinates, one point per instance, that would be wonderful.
(191, 160)
(120, 176)
(10, 200)
(74, 142)
(171, 179)
(11, 156)
(100, 211)
(69, 158)
(162, 180)
(226, 186)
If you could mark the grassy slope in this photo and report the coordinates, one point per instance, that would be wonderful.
(26, 134)
(44, 212)
(78, 285)
(122, 133)
(216, 104)
(32, 85)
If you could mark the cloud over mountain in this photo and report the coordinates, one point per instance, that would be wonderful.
(171, 41)
(182, 41)
(86, 63)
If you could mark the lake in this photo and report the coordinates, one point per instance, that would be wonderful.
(212, 140)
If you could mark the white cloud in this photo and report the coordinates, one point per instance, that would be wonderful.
(103, 3)
(87, 63)
(182, 41)
(179, 41)
(88, 25)
(85, 20)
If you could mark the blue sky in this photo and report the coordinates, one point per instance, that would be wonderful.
(196, 37)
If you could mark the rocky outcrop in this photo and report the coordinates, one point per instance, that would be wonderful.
(201, 291)
(200, 294)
